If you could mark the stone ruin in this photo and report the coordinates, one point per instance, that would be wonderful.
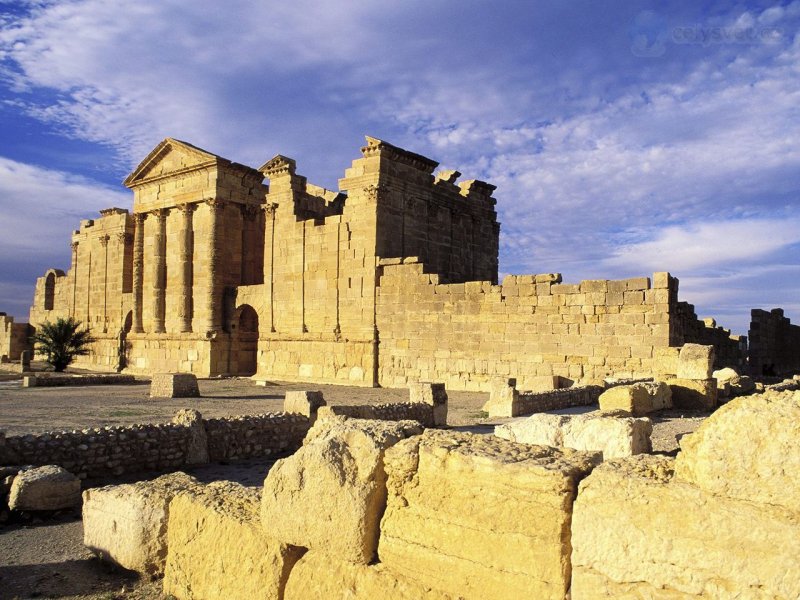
(389, 280)
(375, 509)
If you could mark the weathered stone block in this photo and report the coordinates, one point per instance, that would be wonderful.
(127, 523)
(694, 394)
(665, 362)
(197, 450)
(218, 549)
(613, 434)
(329, 496)
(44, 488)
(695, 361)
(636, 399)
(304, 403)
(748, 450)
(639, 533)
(174, 385)
(481, 517)
(317, 576)
(433, 394)
(503, 399)
(738, 385)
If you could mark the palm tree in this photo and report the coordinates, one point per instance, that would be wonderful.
(62, 341)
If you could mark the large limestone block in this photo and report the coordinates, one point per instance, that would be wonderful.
(174, 385)
(330, 495)
(747, 449)
(217, 548)
(434, 394)
(317, 576)
(503, 399)
(44, 488)
(612, 433)
(542, 429)
(304, 403)
(739, 385)
(481, 517)
(639, 533)
(695, 361)
(637, 399)
(694, 394)
(127, 523)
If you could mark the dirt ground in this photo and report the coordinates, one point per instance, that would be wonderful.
(44, 557)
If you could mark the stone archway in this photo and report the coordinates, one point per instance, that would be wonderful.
(244, 337)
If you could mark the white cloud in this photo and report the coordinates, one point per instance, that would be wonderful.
(39, 208)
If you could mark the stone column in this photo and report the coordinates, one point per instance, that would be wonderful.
(269, 257)
(104, 243)
(213, 298)
(74, 246)
(138, 271)
(159, 270)
(185, 267)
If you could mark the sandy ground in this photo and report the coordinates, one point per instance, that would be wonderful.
(45, 557)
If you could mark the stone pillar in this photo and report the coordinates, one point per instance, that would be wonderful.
(213, 298)
(25, 361)
(104, 243)
(269, 257)
(138, 272)
(185, 267)
(74, 246)
(159, 270)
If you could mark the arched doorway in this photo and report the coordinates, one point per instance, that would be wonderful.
(49, 291)
(244, 349)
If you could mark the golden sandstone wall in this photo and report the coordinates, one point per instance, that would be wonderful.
(391, 279)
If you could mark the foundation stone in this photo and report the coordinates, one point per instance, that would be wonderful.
(330, 495)
(217, 548)
(174, 385)
(127, 523)
(44, 488)
(481, 517)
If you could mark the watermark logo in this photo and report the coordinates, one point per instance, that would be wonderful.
(650, 34)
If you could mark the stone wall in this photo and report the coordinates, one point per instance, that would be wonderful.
(530, 327)
(730, 350)
(774, 343)
(396, 411)
(112, 451)
(50, 380)
(13, 337)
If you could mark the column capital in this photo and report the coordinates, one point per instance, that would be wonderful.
(139, 217)
(215, 204)
(74, 246)
(269, 208)
(186, 208)
(124, 238)
(104, 240)
(376, 191)
(249, 211)
(160, 213)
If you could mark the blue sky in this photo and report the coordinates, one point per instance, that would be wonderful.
(624, 137)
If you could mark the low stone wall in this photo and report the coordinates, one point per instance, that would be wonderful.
(506, 401)
(271, 434)
(400, 411)
(112, 451)
(77, 380)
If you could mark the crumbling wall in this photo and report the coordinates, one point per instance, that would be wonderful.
(530, 327)
(687, 328)
(114, 450)
(13, 337)
(774, 343)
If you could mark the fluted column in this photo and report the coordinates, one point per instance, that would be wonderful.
(159, 270)
(138, 271)
(104, 243)
(74, 246)
(185, 270)
(213, 297)
(269, 257)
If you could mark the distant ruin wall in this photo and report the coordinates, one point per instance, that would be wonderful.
(774, 343)
(13, 337)
(531, 327)
(687, 328)
(113, 451)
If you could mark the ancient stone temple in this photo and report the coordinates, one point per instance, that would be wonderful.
(390, 279)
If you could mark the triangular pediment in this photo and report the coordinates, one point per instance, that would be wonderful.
(171, 157)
